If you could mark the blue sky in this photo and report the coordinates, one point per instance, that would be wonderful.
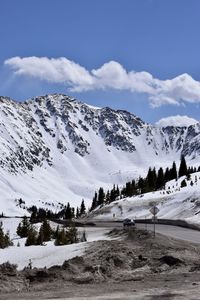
(115, 53)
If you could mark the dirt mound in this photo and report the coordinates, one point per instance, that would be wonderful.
(132, 258)
(135, 257)
(10, 279)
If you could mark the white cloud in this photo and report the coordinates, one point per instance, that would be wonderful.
(178, 90)
(111, 75)
(178, 120)
(56, 70)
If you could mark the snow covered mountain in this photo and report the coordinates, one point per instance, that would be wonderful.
(55, 149)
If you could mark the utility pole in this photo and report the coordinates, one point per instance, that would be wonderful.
(154, 226)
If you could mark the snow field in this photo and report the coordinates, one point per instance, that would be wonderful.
(48, 255)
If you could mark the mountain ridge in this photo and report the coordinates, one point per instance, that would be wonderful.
(55, 148)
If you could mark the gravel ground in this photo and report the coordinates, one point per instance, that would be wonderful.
(135, 266)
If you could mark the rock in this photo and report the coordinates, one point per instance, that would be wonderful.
(140, 257)
(171, 260)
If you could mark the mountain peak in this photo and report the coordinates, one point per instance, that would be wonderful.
(57, 143)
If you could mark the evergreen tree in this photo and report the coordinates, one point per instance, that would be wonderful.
(46, 229)
(82, 208)
(112, 194)
(77, 213)
(94, 202)
(122, 192)
(108, 199)
(19, 229)
(183, 183)
(61, 238)
(68, 212)
(23, 227)
(154, 176)
(160, 179)
(151, 180)
(40, 238)
(41, 214)
(183, 167)
(56, 232)
(117, 193)
(72, 234)
(101, 196)
(45, 233)
(32, 237)
(173, 171)
(128, 189)
(134, 192)
(33, 211)
(4, 238)
(141, 185)
(167, 175)
(188, 176)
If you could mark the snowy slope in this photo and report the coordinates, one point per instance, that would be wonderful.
(56, 149)
(48, 255)
(173, 202)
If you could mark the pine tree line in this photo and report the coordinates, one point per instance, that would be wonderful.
(26, 229)
(68, 212)
(46, 233)
(155, 180)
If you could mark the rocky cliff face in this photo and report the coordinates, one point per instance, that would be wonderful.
(81, 145)
(31, 129)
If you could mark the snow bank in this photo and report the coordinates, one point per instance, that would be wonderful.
(48, 255)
